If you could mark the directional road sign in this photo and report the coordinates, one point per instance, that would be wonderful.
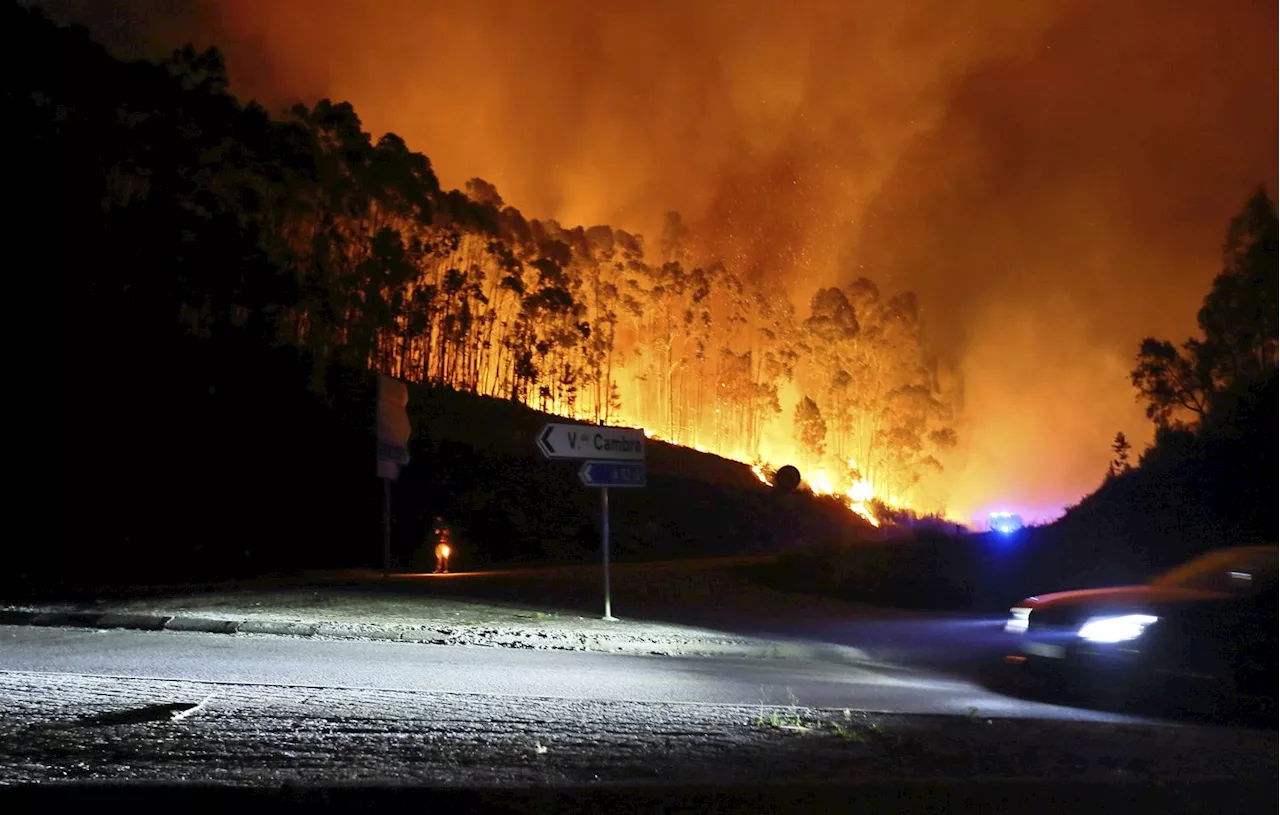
(616, 459)
(612, 473)
(591, 441)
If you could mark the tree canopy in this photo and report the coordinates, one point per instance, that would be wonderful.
(195, 213)
(1238, 323)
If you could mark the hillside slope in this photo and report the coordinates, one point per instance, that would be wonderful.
(229, 465)
(475, 461)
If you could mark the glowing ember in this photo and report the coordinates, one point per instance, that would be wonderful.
(860, 495)
(862, 509)
(857, 496)
(820, 483)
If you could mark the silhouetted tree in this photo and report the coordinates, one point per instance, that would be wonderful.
(1238, 320)
(1120, 448)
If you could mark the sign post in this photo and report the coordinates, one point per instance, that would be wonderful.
(614, 458)
(604, 550)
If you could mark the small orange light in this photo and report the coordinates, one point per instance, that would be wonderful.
(1015, 659)
(444, 550)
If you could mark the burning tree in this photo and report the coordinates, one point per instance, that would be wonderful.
(810, 428)
(317, 235)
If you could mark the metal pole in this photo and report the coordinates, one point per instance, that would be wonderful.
(604, 545)
(386, 527)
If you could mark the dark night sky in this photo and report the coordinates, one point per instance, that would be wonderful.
(1054, 178)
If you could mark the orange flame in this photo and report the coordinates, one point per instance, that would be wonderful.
(858, 495)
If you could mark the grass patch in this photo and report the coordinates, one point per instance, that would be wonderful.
(844, 728)
(789, 718)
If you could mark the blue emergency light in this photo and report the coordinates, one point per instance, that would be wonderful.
(1006, 523)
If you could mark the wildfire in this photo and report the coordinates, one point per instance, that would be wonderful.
(858, 496)
(860, 507)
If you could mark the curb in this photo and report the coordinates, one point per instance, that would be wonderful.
(767, 649)
(202, 624)
(136, 621)
(282, 629)
(110, 620)
(17, 617)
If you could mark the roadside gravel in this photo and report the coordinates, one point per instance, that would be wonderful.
(87, 729)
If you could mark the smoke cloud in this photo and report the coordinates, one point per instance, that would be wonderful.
(1053, 178)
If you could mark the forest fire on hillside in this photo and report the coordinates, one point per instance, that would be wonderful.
(590, 324)
(859, 494)
(1050, 200)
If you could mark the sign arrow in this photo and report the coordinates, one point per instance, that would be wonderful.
(544, 441)
(612, 474)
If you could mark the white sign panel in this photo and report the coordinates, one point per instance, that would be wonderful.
(591, 441)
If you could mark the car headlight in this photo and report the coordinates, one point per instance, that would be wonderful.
(1018, 620)
(1116, 629)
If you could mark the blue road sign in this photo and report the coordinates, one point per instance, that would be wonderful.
(612, 473)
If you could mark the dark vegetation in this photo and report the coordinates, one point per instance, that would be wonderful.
(475, 460)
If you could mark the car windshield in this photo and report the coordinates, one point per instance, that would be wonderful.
(1223, 570)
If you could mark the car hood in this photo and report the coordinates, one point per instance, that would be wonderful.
(1119, 597)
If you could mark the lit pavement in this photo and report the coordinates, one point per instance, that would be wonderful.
(582, 676)
(752, 686)
(171, 707)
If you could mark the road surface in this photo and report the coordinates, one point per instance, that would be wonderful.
(582, 676)
(105, 706)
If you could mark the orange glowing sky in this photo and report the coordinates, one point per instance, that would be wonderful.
(1053, 178)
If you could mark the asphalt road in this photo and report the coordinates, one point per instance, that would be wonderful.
(191, 715)
(287, 661)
